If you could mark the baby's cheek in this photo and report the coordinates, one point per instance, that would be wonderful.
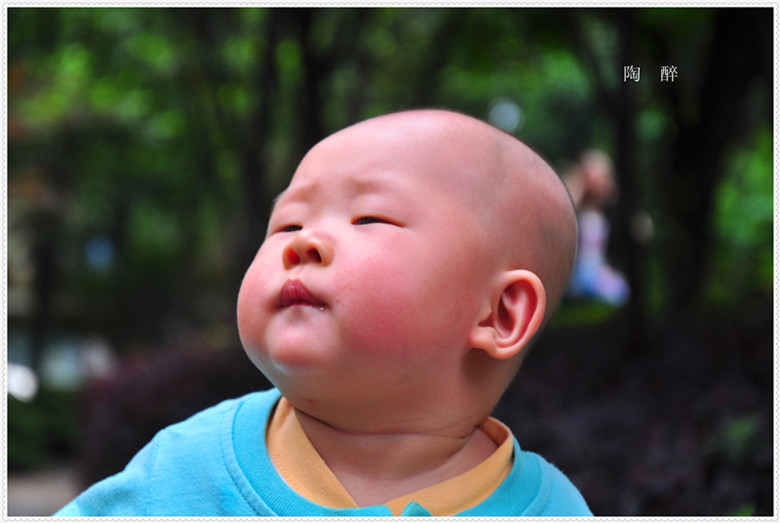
(251, 315)
(391, 318)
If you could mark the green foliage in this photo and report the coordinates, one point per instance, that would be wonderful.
(575, 313)
(41, 429)
(736, 439)
(743, 261)
(745, 204)
(746, 510)
(167, 131)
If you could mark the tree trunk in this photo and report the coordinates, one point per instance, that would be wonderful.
(700, 147)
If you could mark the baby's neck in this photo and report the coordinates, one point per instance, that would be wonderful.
(375, 468)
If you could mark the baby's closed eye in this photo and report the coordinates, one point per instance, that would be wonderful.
(289, 228)
(366, 220)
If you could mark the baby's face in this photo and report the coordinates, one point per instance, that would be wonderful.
(370, 277)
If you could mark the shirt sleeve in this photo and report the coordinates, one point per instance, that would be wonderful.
(562, 498)
(124, 494)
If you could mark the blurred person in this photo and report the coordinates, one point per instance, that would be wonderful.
(406, 272)
(591, 184)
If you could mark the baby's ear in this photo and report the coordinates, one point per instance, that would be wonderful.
(515, 315)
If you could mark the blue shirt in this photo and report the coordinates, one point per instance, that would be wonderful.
(216, 464)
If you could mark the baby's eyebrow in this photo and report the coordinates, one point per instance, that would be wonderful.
(299, 193)
(360, 186)
(354, 186)
(275, 202)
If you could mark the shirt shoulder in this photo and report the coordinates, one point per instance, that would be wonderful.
(557, 494)
(534, 487)
(181, 472)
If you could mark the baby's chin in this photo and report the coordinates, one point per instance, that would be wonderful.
(315, 384)
(294, 362)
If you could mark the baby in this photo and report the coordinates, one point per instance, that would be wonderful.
(406, 271)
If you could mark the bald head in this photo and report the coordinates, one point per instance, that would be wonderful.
(534, 207)
(528, 221)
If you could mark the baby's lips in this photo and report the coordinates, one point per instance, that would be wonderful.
(295, 293)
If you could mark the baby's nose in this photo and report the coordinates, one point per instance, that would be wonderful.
(307, 247)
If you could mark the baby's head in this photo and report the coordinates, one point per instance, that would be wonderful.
(406, 270)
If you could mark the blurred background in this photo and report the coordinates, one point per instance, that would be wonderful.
(145, 146)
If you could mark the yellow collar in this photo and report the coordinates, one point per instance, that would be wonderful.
(298, 462)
